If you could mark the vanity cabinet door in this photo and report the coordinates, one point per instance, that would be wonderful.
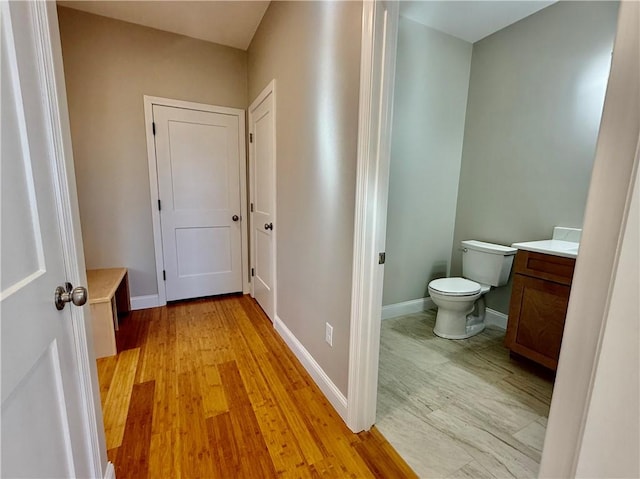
(536, 318)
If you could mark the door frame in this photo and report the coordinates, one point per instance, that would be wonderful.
(54, 101)
(270, 89)
(149, 101)
(377, 78)
(607, 204)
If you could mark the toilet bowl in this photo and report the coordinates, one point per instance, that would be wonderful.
(456, 299)
(483, 265)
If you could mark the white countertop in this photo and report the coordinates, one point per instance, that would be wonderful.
(566, 249)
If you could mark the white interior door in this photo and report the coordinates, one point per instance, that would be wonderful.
(263, 188)
(198, 164)
(45, 431)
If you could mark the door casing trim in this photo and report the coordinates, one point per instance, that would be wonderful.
(377, 77)
(149, 101)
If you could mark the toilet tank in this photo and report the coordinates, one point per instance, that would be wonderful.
(487, 263)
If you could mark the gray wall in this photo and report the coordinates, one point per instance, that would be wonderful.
(312, 49)
(535, 101)
(430, 101)
(109, 65)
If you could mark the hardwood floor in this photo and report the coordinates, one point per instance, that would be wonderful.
(207, 388)
(460, 409)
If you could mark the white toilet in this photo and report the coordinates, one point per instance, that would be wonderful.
(483, 265)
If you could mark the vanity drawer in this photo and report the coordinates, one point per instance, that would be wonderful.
(544, 266)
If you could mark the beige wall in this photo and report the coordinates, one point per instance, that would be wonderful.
(312, 49)
(535, 103)
(109, 66)
(429, 107)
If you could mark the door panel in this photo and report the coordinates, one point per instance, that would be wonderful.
(198, 163)
(263, 258)
(263, 137)
(21, 259)
(262, 163)
(44, 429)
(212, 243)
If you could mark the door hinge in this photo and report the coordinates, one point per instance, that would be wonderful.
(164, 275)
(252, 207)
(381, 258)
(153, 127)
(250, 137)
(253, 272)
(159, 205)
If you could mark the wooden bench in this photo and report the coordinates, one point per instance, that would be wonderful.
(108, 295)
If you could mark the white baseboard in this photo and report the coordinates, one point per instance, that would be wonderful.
(496, 319)
(407, 307)
(110, 472)
(330, 390)
(144, 302)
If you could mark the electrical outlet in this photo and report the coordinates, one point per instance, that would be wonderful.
(328, 334)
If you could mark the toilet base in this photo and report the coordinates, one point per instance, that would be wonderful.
(471, 330)
(459, 325)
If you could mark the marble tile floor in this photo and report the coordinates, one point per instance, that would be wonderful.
(459, 409)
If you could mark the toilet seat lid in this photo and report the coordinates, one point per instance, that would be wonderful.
(455, 286)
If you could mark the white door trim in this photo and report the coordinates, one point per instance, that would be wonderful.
(149, 101)
(377, 75)
(54, 101)
(270, 89)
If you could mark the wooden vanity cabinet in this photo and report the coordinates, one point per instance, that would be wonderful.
(539, 300)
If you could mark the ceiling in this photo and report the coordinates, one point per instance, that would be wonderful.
(231, 23)
(470, 20)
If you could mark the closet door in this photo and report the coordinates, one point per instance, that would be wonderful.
(262, 171)
(198, 164)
